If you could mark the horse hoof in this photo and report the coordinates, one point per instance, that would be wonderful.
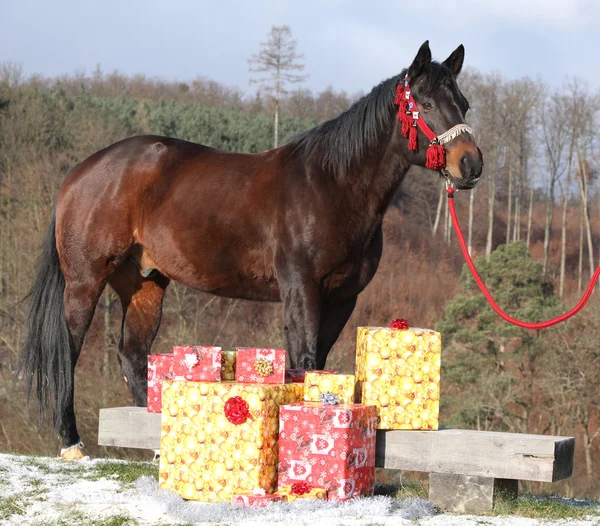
(76, 452)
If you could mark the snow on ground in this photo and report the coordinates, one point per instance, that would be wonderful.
(45, 491)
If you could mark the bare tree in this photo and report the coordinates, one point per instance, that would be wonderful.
(555, 134)
(531, 191)
(278, 58)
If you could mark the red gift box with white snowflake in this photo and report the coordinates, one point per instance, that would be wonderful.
(160, 367)
(197, 363)
(260, 366)
(328, 446)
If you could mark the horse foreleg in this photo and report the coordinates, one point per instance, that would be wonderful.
(332, 321)
(141, 299)
(300, 298)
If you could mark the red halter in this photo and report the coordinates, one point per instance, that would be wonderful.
(408, 115)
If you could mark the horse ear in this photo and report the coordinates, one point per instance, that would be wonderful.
(455, 61)
(421, 61)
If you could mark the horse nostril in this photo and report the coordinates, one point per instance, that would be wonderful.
(470, 167)
(465, 165)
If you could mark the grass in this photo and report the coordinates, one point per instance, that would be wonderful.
(411, 489)
(10, 506)
(76, 517)
(526, 505)
(533, 507)
(124, 472)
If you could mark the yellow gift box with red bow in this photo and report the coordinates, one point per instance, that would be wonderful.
(219, 439)
(398, 370)
(297, 491)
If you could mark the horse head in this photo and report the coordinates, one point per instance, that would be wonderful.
(431, 116)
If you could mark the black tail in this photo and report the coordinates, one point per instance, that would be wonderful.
(46, 355)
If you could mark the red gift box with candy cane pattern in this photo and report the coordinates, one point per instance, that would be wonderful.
(160, 367)
(328, 446)
(260, 366)
(197, 363)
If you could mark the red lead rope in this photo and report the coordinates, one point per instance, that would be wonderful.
(488, 296)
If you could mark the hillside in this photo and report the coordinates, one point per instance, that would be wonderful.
(48, 125)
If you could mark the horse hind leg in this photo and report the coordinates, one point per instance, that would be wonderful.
(80, 300)
(141, 299)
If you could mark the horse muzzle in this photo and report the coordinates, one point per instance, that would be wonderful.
(470, 166)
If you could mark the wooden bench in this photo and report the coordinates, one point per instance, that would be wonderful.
(468, 469)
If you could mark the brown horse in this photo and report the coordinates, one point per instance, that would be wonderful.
(300, 224)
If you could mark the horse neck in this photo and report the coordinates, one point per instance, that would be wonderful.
(373, 181)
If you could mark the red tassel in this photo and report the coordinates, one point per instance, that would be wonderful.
(402, 109)
(412, 139)
(399, 95)
(406, 124)
(435, 157)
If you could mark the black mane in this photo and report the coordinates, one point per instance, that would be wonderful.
(342, 141)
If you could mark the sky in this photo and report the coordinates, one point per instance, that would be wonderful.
(350, 45)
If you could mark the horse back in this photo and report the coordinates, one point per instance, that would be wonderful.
(199, 215)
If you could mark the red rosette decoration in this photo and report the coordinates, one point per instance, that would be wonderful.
(300, 488)
(399, 323)
(236, 410)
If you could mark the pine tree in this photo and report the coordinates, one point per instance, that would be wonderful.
(278, 58)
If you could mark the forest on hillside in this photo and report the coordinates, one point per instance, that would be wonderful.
(531, 223)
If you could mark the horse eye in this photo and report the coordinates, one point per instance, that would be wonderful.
(427, 105)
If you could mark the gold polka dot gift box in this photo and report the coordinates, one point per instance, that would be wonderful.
(398, 370)
(301, 490)
(220, 439)
(317, 383)
(228, 359)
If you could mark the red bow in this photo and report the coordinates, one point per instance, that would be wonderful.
(399, 323)
(236, 410)
(300, 488)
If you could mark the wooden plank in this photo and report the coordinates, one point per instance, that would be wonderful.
(456, 451)
(479, 453)
(129, 427)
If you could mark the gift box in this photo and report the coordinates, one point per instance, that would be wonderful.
(317, 383)
(197, 363)
(220, 439)
(160, 367)
(298, 375)
(398, 370)
(257, 498)
(301, 490)
(295, 375)
(328, 446)
(260, 366)
(228, 359)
